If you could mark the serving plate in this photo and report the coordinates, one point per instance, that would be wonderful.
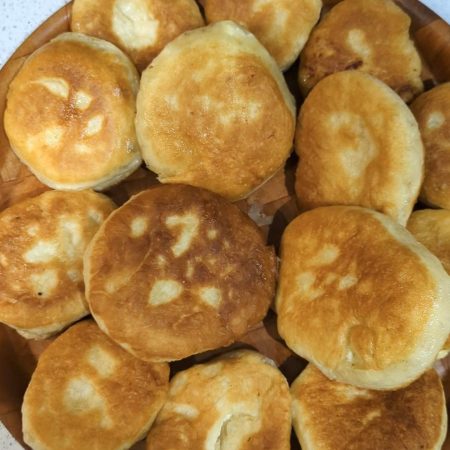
(272, 206)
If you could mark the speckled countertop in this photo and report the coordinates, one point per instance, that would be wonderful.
(18, 18)
(7, 442)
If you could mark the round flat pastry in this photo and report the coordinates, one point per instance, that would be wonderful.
(432, 111)
(88, 393)
(358, 144)
(42, 243)
(177, 271)
(431, 228)
(369, 36)
(141, 28)
(328, 415)
(214, 111)
(70, 113)
(282, 26)
(239, 401)
(360, 298)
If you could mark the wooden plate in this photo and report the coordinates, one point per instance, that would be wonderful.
(272, 207)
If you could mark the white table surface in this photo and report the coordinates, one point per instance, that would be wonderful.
(18, 18)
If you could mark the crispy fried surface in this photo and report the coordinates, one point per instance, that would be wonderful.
(431, 228)
(42, 244)
(360, 298)
(141, 28)
(70, 113)
(239, 401)
(282, 26)
(214, 111)
(328, 415)
(433, 116)
(88, 393)
(358, 144)
(177, 271)
(369, 36)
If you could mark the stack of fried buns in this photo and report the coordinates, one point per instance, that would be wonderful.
(147, 299)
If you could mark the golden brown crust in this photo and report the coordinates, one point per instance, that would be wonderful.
(70, 113)
(282, 26)
(332, 416)
(360, 298)
(358, 144)
(141, 28)
(431, 228)
(432, 111)
(369, 36)
(42, 243)
(177, 271)
(214, 111)
(87, 393)
(239, 401)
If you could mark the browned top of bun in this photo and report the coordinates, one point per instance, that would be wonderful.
(42, 244)
(432, 112)
(282, 26)
(88, 393)
(176, 271)
(360, 298)
(328, 415)
(214, 111)
(239, 401)
(141, 28)
(358, 144)
(369, 36)
(70, 113)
